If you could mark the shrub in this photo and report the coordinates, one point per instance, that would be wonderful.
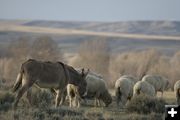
(133, 116)
(6, 100)
(63, 111)
(38, 115)
(144, 104)
(94, 114)
(41, 98)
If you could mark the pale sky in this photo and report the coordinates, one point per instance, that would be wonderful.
(90, 10)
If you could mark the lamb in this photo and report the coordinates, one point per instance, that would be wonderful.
(73, 94)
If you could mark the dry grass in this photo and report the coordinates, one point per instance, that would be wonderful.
(141, 63)
(94, 54)
(42, 48)
(169, 96)
(85, 112)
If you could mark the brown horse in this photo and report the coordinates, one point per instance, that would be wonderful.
(51, 75)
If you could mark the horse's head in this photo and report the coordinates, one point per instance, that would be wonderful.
(168, 85)
(82, 83)
(106, 98)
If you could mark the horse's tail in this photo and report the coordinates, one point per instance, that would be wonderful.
(18, 81)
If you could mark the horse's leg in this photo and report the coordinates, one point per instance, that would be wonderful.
(70, 101)
(62, 95)
(28, 95)
(58, 97)
(78, 103)
(53, 91)
(78, 99)
(20, 93)
(69, 96)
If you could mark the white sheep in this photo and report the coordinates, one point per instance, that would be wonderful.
(124, 89)
(96, 88)
(160, 83)
(143, 87)
(177, 91)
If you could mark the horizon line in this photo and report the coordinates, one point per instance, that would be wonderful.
(106, 21)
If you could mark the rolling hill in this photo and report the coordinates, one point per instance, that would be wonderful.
(134, 27)
(121, 36)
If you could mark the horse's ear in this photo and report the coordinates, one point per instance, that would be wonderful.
(82, 71)
(84, 74)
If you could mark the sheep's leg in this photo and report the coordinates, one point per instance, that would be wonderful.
(85, 101)
(77, 101)
(178, 100)
(162, 94)
(99, 102)
(70, 101)
(123, 101)
(95, 102)
(96, 99)
(178, 97)
(118, 96)
(117, 101)
(156, 93)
